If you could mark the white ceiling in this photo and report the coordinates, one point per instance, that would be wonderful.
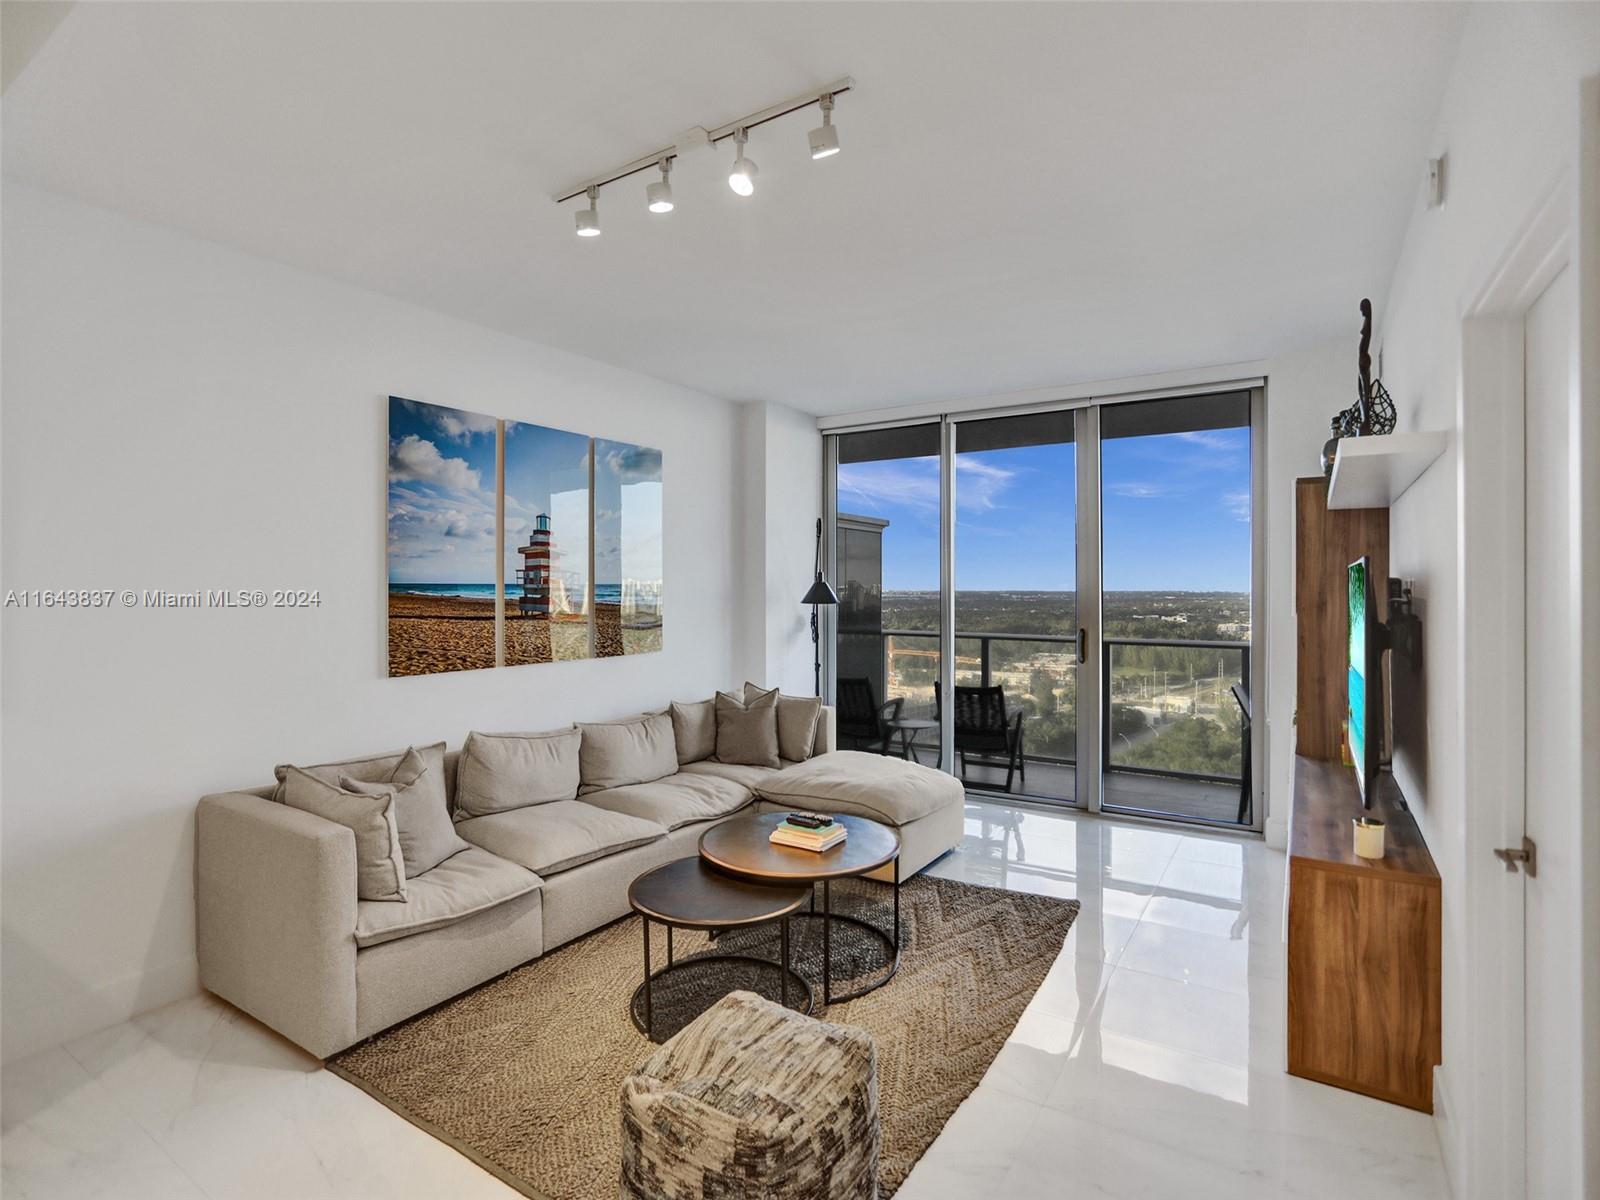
(1028, 194)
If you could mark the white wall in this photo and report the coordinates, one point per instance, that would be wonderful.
(182, 416)
(1305, 387)
(1508, 128)
(783, 498)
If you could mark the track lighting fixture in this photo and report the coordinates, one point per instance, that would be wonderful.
(742, 179)
(824, 142)
(825, 138)
(589, 218)
(659, 194)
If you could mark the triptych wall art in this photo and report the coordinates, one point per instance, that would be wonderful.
(511, 543)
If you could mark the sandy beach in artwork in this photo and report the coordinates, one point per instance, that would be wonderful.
(439, 633)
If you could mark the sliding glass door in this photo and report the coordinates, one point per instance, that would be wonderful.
(1176, 607)
(1056, 604)
(886, 550)
(1016, 607)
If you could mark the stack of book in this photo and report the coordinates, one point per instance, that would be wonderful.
(808, 831)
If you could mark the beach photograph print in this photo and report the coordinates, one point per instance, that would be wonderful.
(627, 548)
(442, 539)
(546, 544)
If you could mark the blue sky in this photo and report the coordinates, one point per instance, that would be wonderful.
(1176, 514)
(441, 494)
(547, 471)
(627, 512)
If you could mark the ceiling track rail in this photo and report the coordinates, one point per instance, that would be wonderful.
(705, 137)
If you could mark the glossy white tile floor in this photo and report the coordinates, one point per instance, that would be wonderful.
(1150, 1064)
(1151, 1061)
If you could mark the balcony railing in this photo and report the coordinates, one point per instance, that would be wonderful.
(1168, 707)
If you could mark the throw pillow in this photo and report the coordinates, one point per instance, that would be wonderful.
(427, 837)
(694, 728)
(380, 867)
(501, 771)
(797, 722)
(374, 768)
(618, 753)
(748, 733)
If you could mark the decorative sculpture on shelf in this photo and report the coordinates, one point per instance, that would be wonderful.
(1373, 412)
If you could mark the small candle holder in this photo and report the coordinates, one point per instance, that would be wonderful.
(1369, 837)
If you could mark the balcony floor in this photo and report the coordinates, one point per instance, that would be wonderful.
(1184, 799)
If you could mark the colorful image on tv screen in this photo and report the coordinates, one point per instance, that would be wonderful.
(1357, 673)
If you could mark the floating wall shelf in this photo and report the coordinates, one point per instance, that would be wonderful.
(1374, 472)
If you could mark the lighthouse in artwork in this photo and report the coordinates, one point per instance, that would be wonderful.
(534, 575)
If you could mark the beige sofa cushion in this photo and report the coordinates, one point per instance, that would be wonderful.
(745, 776)
(694, 728)
(373, 768)
(421, 811)
(498, 772)
(797, 722)
(885, 789)
(380, 867)
(679, 800)
(463, 884)
(550, 838)
(619, 753)
(747, 730)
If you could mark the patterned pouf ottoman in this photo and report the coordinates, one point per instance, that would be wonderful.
(753, 1100)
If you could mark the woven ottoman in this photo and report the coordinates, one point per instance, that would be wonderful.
(753, 1100)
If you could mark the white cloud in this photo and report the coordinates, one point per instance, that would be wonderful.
(1138, 490)
(414, 459)
(1237, 503)
(914, 483)
(635, 464)
(1211, 439)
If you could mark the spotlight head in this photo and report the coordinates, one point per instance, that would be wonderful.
(659, 194)
(825, 138)
(589, 218)
(742, 179)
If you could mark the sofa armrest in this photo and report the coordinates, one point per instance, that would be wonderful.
(275, 916)
(827, 739)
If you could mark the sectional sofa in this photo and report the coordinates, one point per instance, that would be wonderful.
(282, 933)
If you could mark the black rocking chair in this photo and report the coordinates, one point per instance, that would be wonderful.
(860, 720)
(983, 732)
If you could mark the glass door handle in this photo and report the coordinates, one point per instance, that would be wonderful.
(1083, 644)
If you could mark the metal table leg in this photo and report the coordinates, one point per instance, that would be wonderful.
(783, 937)
(827, 942)
(897, 904)
(649, 1021)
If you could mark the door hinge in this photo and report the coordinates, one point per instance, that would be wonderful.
(1527, 856)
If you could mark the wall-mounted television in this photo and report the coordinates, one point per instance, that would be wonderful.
(1364, 678)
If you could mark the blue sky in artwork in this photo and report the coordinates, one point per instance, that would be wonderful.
(547, 471)
(1176, 510)
(441, 494)
(627, 513)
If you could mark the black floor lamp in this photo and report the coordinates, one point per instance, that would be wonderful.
(818, 594)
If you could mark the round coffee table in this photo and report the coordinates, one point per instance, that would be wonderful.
(741, 848)
(688, 894)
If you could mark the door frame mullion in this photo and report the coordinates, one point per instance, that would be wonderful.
(1088, 683)
(947, 592)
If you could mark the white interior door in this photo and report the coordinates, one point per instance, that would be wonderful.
(1552, 900)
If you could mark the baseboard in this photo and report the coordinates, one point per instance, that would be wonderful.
(1446, 1130)
(34, 1028)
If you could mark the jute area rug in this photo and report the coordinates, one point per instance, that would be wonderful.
(523, 1074)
